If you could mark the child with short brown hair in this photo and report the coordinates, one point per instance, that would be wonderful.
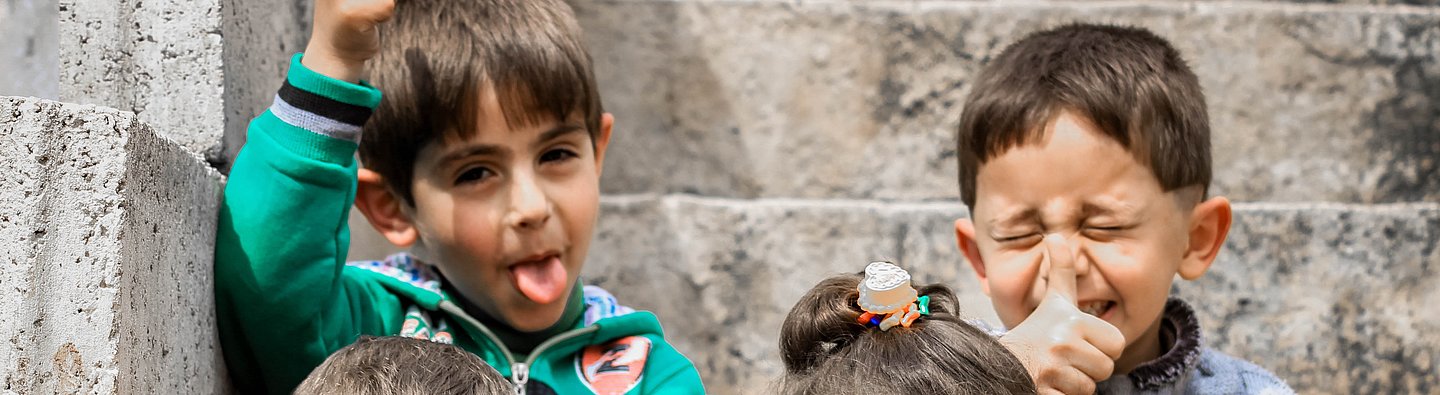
(403, 365)
(1084, 160)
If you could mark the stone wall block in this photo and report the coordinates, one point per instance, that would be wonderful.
(108, 231)
(260, 36)
(1330, 298)
(31, 51)
(861, 99)
(160, 59)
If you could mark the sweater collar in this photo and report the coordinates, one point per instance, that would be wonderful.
(1180, 333)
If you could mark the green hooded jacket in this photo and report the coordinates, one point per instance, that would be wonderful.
(286, 299)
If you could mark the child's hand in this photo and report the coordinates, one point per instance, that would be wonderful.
(344, 36)
(1066, 350)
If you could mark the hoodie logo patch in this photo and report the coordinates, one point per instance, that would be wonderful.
(418, 325)
(613, 368)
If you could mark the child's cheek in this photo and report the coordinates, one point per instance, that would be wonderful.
(1037, 294)
(1113, 255)
(1017, 283)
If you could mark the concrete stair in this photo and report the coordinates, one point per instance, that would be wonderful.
(860, 99)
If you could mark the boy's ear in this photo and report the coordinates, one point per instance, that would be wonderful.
(1209, 224)
(384, 210)
(602, 140)
(965, 239)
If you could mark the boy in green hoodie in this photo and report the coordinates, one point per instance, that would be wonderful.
(483, 160)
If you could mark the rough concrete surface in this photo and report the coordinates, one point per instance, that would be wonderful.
(1334, 299)
(260, 36)
(860, 99)
(108, 234)
(29, 52)
(160, 59)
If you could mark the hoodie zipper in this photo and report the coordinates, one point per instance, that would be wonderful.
(519, 371)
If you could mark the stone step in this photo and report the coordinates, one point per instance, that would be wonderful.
(1334, 103)
(108, 231)
(1329, 297)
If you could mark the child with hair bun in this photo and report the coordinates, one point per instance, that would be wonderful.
(879, 334)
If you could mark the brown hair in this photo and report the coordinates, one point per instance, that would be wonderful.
(827, 352)
(437, 56)
(1127, 81)
(401, 365)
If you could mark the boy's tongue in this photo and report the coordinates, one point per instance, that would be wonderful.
(541, 281)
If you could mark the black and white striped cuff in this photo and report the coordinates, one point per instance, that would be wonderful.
(319, 114)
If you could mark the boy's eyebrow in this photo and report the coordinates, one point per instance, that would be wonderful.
(1010, 218)
(1091, 208)
(558, 131)
(473, 150)
(489, 149)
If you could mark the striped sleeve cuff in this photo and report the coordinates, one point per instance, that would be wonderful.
(324, 105)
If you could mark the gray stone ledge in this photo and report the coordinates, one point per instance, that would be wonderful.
(108, 230)
(160, 59)
(819, 100)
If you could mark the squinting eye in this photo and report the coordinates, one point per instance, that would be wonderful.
(473, 175)
(557, 155)
(1013, 238)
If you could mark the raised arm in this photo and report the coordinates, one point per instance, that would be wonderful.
(281, 245)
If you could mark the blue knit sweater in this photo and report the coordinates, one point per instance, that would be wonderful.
(1189, 367)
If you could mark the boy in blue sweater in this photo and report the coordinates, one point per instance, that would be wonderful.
(1084, 159)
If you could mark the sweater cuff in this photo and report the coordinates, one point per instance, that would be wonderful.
(361, 94)
(324, 105)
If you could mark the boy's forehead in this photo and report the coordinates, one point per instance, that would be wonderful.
(509, 108)
(495, 114)
(1069, 172)
(1002, 212)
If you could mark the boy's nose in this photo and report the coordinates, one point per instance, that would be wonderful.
(1082, 260)
(529, 207)
(1076, 243)
(1078, 252)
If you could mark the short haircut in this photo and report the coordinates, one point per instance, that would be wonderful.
(826, 351)
(402, 365)
(437, 56)
(1127, 81)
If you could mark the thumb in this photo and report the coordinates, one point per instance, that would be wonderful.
(1061, 280)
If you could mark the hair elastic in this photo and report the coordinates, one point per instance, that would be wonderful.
(888, 299)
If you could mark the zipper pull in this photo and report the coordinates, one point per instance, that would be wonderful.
(520, 374)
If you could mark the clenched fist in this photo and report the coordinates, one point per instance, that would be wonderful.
(345, 35)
